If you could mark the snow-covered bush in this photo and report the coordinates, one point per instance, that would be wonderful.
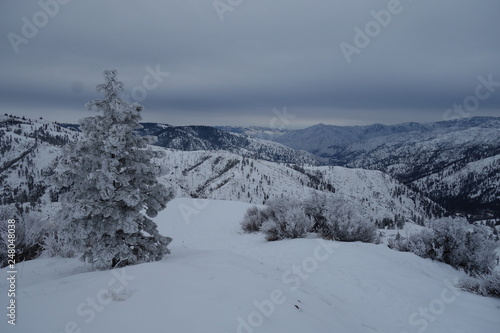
(420, 243)
(453, 241)
(254, 218)
(287, 219)
(483, 284)
(398, 243)
(315, 207)
(281, 218)
(330, 217)
(30, 231)
(343, 223)
(56, 246)
(463, 245)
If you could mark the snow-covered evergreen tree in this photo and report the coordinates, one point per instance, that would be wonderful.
(110, 185)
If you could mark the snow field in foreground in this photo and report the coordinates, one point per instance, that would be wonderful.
(218, 279)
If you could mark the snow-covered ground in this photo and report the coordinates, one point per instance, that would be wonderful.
(218, 279)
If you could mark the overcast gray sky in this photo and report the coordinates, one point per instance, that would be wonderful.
(242, 62)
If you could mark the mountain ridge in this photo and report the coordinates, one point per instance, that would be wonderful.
(216, 174)
(455, 163)
(420, 155)
(199, 137)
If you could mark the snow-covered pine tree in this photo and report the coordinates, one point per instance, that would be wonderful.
(110, 187)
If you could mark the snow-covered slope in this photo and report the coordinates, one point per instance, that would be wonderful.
(222, 175)
(28, 150)
(453, 162)
(191, 138)
(220, 280)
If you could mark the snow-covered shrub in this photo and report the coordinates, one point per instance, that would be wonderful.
(483, 284)
(419, 243)
(330, 217)
(453, 241)
(287, 219)
(30, 231)
(336, 218)
(253, 219)
(422, 244)
(56, 246)
(343, 223)
(398, 243)
(463, 245)
(315, 207)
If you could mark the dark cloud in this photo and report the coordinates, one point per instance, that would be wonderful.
(263, 56)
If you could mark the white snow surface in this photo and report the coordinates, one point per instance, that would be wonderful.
(218, 279)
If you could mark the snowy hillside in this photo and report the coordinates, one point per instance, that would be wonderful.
(453, 162)
(220, 280)
(29, 148)
(226, 176)
(192, 138)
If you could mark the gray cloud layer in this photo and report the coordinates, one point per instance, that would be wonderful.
(263, 55)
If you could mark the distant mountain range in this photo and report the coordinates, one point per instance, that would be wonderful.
(192, 138)
(207, 163)
(455, 163)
